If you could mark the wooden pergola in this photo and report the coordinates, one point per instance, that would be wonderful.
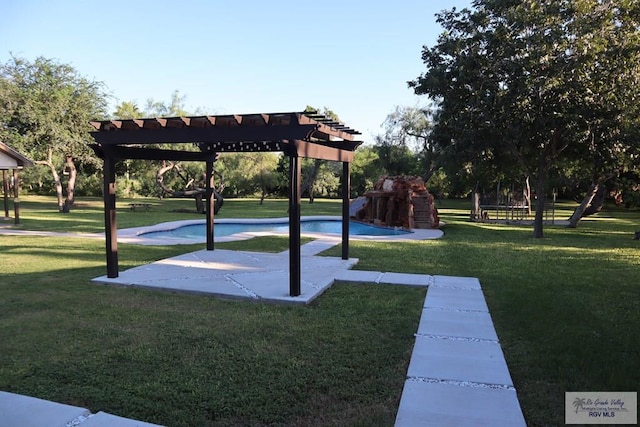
(11, 160)
(296, 134)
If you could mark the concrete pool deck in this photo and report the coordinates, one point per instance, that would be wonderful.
(243, 274)
(457, 374)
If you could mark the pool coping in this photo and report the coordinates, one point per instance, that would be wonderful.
(136, 234)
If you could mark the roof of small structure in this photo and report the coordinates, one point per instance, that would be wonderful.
(12, 159)
(305, 134)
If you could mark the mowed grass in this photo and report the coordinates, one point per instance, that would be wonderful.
(566, 309)
(185, 360)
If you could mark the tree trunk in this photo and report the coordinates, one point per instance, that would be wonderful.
(527, 194)
(199, 203)
(538, 224)
(429, 171)
(592, 203)
(196, 192)
(218, 203)
(307, 186)
(56, 177)
(598, 201)
(71, 185)
(586, 201)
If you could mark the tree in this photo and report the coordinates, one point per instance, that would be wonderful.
(406, 143)
(175, 179)
(365, 170)
(534, 84)
(396, 159)
(127, 110)
(610, 103)
(250, 174)
(193, 184)
(45, 109)
(174, 109)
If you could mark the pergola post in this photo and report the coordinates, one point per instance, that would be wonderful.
(346, 200)
(210, 205)
(110, 225)
(294, 225)
(5, 188)
(16, 197)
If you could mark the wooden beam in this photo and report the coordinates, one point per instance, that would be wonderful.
(146, 153)
(249, 146)
(342, 133)
(317, 151)
(205, 134)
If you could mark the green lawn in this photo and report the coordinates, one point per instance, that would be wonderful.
(566, 309)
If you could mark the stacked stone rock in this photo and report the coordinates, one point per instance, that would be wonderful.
(400, 201)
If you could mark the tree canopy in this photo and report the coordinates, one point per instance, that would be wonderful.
(45, 108)
(531, 84)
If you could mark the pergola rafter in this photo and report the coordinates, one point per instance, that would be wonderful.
(296, 134)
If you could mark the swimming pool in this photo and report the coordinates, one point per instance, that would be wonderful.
(229, 228)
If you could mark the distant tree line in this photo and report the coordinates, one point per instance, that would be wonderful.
(543, 95)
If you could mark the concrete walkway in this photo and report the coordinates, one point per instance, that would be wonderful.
(23, 411)
(457, 374)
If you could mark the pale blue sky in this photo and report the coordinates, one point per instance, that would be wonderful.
(253, 56)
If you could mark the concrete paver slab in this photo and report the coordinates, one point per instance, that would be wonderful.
(459, 360)
(456, 282)
(274, 286)
(358, 276)
(441, 404)
(228, 260)
(25, 411)
(467, 324)
(102, 419)
(317, 246)
(406, 279)
(455, 299)
(216, 286)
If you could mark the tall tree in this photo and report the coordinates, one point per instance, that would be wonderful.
(175, 108)
(127, 110)
(522, 82)
(250, 174)
(611, 90)
(365, 170)
(406, 143)
(174, 179)
(45, 110)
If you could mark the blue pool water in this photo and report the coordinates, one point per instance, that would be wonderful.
(198, 231)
